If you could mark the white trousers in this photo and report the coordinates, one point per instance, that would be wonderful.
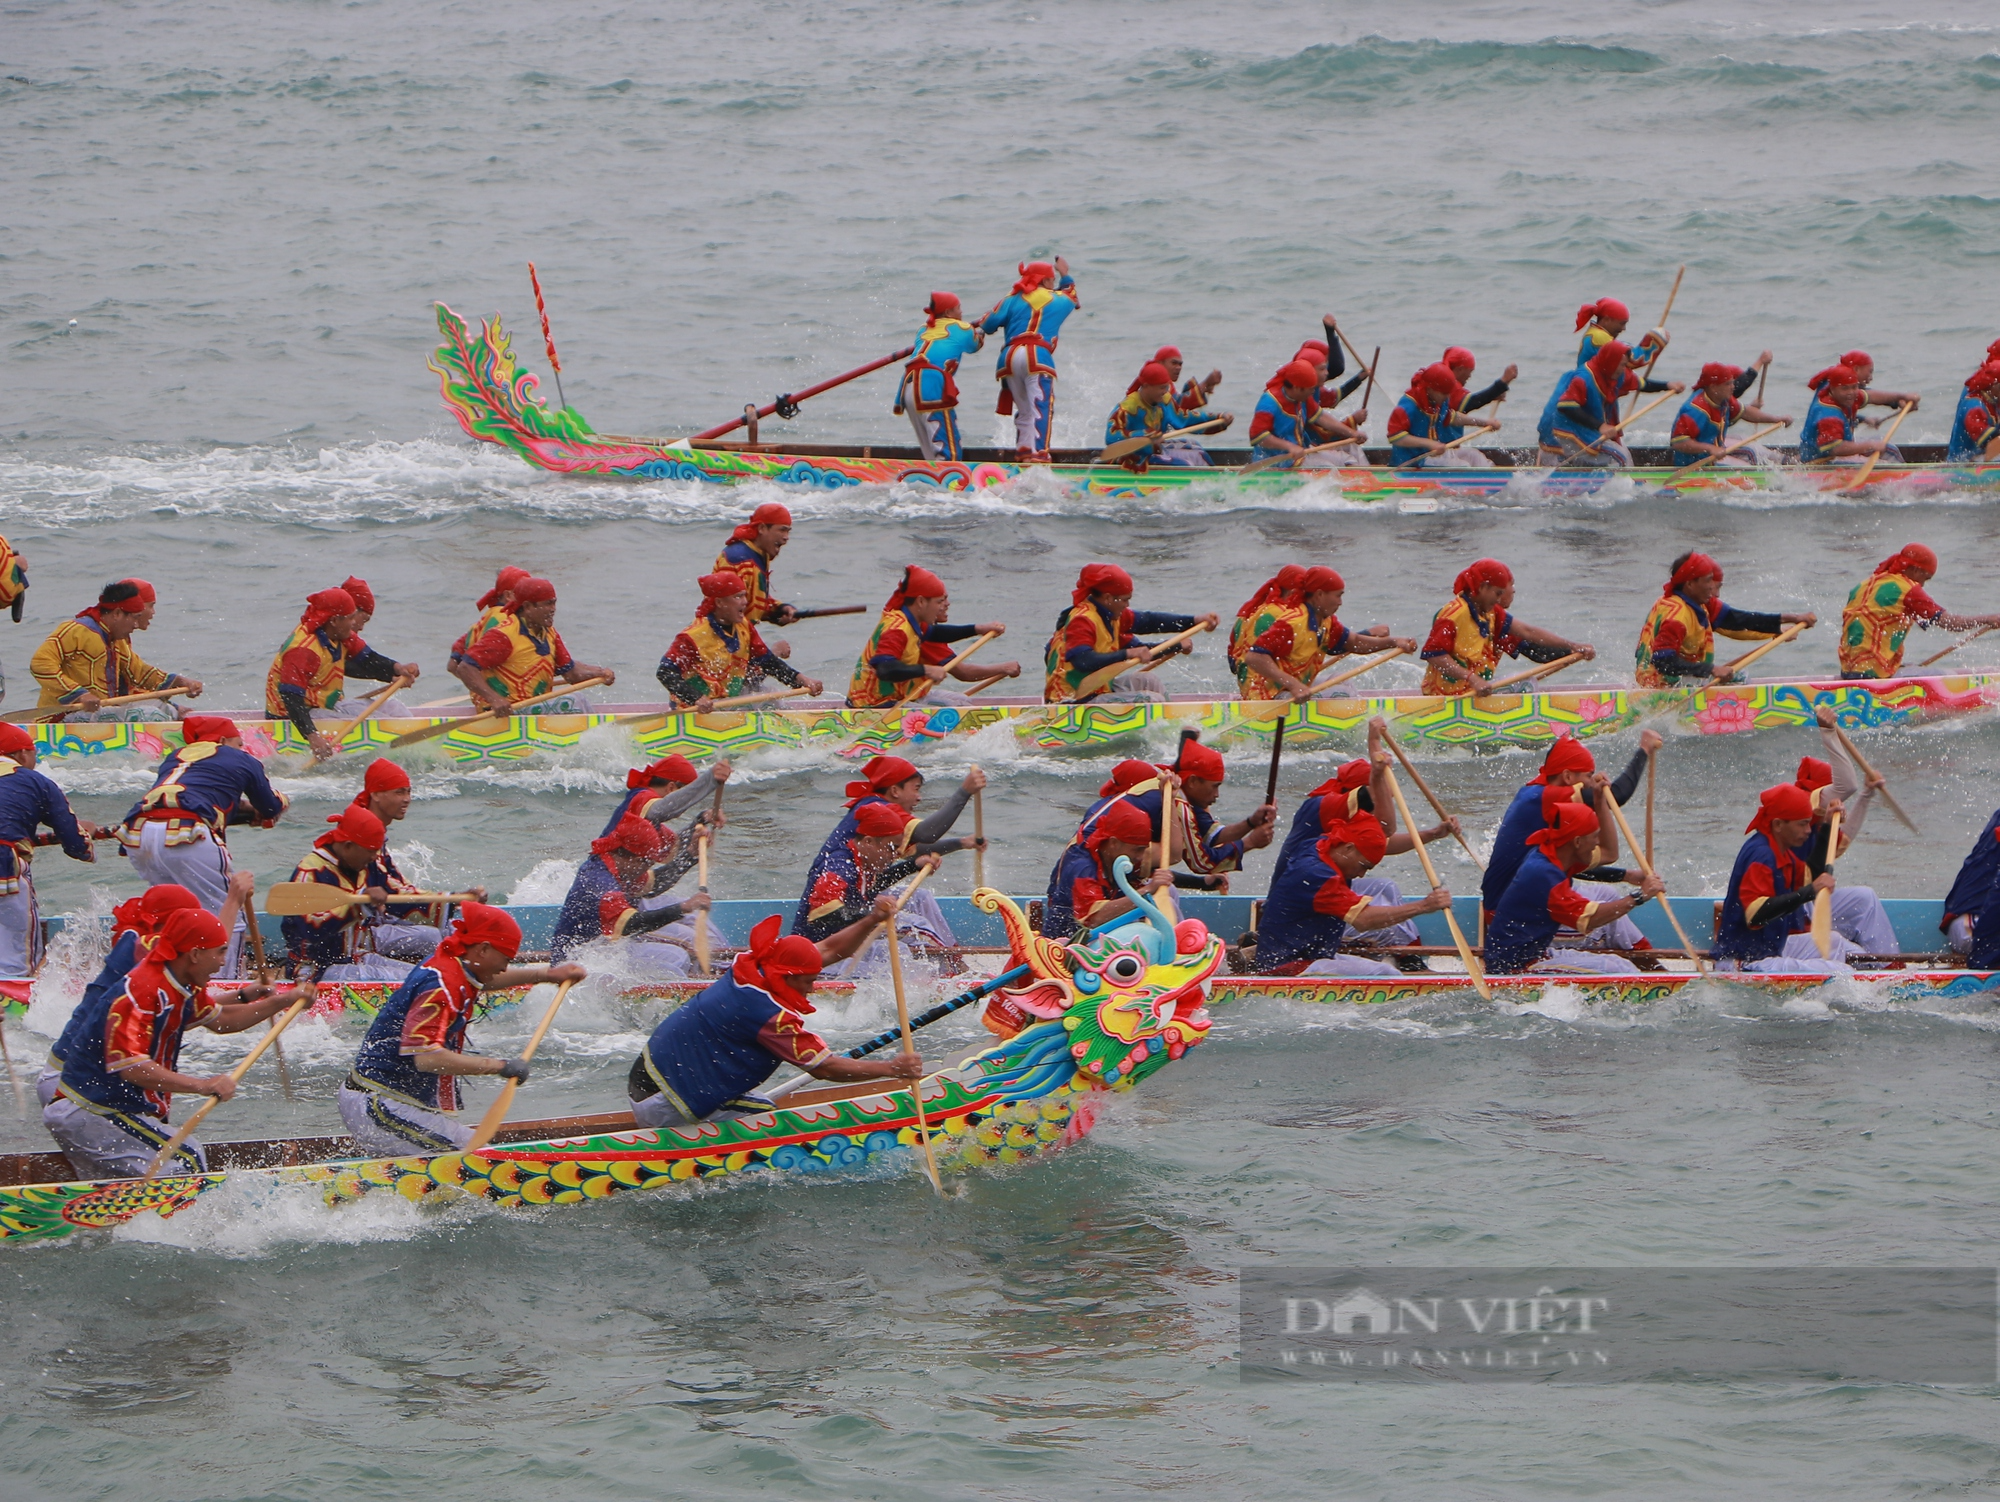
(1583, 962)
(1959, 935)
(389, 1128)
(1133, 688)
(1381, 892)
(1858, 913)
(1352, 966)
(201, 865)
(414, 942)
(20, 928)
(1621, 933)
(351, 705)
(1465, 456)
(1034, 402)
(115, 1147)
(923, 919)
(365, 967)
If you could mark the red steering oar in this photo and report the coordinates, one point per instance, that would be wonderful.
(787, 405)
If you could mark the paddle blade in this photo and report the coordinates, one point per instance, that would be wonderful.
(1822, 925)
(305, 899)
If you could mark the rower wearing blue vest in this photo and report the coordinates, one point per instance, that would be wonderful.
(1600, 323)
(1150, 410)
(28, 801)
(1701, 430)
(1032, 316)
(705, 1062)
(1580, 425)
(1288, 419)
(1975, 432)
(1190, 401)
(1541, 901)
(1313, 907)
(1839, 393)
(929, 392)
(1971, 889)
(1425, 419)
(1766, 911)
(667, 789)
(1460, 362)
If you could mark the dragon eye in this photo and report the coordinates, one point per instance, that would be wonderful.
(1124, 969)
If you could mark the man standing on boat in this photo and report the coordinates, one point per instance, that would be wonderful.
(1299, 632)
(1313, 907)
(1099, 630)
(90, 659)
(751, 550)
(523, 657)
(1032, 316)
(1881, 609)
(911, 644)
(1975, 426)
(306, 680)
(929, 390)
(28, 801)
(1541, 901)
(402, 1094)
(1469, 635)
(1677, 640)
(720, 654)
(1766, 913)
(1701, 430)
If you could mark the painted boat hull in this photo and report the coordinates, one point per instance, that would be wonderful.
(1624, 990)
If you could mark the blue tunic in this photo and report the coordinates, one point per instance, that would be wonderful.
(1024, 322)
(938, 347)
(1523, 924)
(1735, 938)
(207, 781)
(1075, 865)
(1595, 410)
(110, 980)
(1419, 424)
(1510, 845)
(1818, 411)
(1975, 878)
(718, 1047)
(442, 1023)
(1964, 447)
(1295, 927)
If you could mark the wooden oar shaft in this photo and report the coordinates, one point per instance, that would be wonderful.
(1436, 802)
(826, 610)
(909, 1046)
(701, 958)
(497, 1112)
(1622, 425)
(798, 396)
(1728, 449)
(1961, 642)
(429, 732)
(302, 899)
(1871, 776)
(54, 713)
(1542, 671)
(1665, 314)
(1164, 861)
(1478, 432)
(1138, 441)
(380, 697)
(1868, 469)
(1104, 677)
(1737, 665)
(1646, 865)
(1336, 679)
(1472, 967)
(1822, 918)
(187, 1127)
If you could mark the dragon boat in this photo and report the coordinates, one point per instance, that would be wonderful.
(497, 402)
(1902, 987)
(1104, 1014)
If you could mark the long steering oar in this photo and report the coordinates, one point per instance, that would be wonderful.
(1861, 477)
(1334, 680)
(1102, 679)
(187, 1127)
(1569, 459)
(445, 727)
(1527, 674)
(1472, 967)
(1646, 866)
(1114, 452)
(1822, 918)
(1435, 802)
(1875, 780)
(308, 899)
(1662, 327)
(788, 404)
(1961, 642)
(903, 1022)
(496, 1113)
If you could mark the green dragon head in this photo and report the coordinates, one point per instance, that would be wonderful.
(1129, 993)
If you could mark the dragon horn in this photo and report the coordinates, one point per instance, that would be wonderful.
(1047, 959)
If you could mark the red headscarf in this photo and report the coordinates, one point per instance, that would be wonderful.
(145, 913)
(770, 514)
(772, 963)
(1197, 760)
(1153, 373)
(717, 587)
(532, 592)
(941, 305)
(1567, 821)
(1567, 754)
(1127, 775)
(503, 584)
(1100, 579)
(916, 584)
(1283, 582)
(1460, 360)
(13, 738)
(1603, 308)
(1698, 566)
(1485, 571)
(1298, 375)
(1814, 774)
(1715, 371)
(1361, 830)
(1984, 379)
(127, 604)
(1785, 801)
(1833, 375)
(1165, 353)
(1912, 555)
(383, 776)
(1433, 381)
(879, 775)
(356, 825)
(1607, 367)
(1033, 274)
(324, 606)
(480, 924)
(1352, 777)
(881, 821)
(1122, 820)
(186, 929)
(676, 769)
(634, 836)
(1858, 360)
(1312, 581)
(208, 727)
(363, 596)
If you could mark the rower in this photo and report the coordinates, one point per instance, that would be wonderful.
(1288, 419)
(1540, 901)
(1881, 609)
(305, 682)
(1426, 418)
(1580, 425)
(1191, 402)
(492, 606)
(1858, 914)
(1569, 775)
(911, 644)
(706, 1060)
(327, 945)
(1602, 322)
(1766, 913)
(1677, 639)
(720, 655)
(1329, 361)
(1032, 316)
(1258, 612)
(1207, 848)
(1149, 409)
(1970, 895)
(669, 788)
(1081, 885)
(1975, 426)
(1839, 393)
(1098, 630)
(620, 892)
(1461, 364)
(90, 659)
(928, 392)
(1312, 906)
(1701, 430)
(1301, 631)
(522, 656)
(1468, 636)
(852, 874)
(29, 800)
(14, 579)
(177, 834)
(401, 1097)
(121, 1052)
(751, 550)
(400, 932)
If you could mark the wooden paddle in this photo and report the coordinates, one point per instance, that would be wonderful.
(1165, 860)
(1259, 465)
(1124, 446)
(1480, 428)
(1277, 750)
(1738, 664)
(497, 1112)
(1435, 802)
(1822, 918)
(1102, 679)
(1728, 449)
(1861, 477)
(1430, 874)
(377, 699)
(187, 1127)
(1652, 765)
(1965, 641)
(826, 610)
(50, 716)
(1646, 867)
(445, 727)
(264, 975)
(308, 899)
(1541, 671)
(1661, 325)
(909, 1046)
(1569, 459)
(701, 916)
(1874, 777)
(978, 837)
(1335, 680)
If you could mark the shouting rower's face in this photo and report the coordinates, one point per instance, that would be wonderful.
(201, 965)
(391, 805)
(1174, 367)
(731, 609)
(906, 794)
(772, 536)
(539, 616)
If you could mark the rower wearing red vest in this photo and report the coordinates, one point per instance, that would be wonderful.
(1469, 636)
(929, 390)
(1098, 630)
(721, 655)
(1426, 418)
(751, 550)
(306, 682)
(911, 644)
(1677, 641)
(522, 656)
(1701, 430)
(1839, 393)
(1300, 631)
(1881, 609)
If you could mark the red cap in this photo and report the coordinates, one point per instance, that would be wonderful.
(187, 929)
(1858, 360)
(1460, 360)
(1153, 373)
(13, 738)
(480, 924)
(1911, 555)
(1315, 579)
(916, 584)
(1603, 308)
(1197, 760)
(676, 769)
(145, 913)
(383, 776)
(1984, 379)
(634, 836)
(503, 583)
(1122, 820)
(773, 963)
(1833, 375)
(1282, 583)
(720, 586)
(1567, 754)
(1100, 579)
(1715, 372)
(1127, 775)
(1785, 801)
(881, 821)
(1165, 353)
(1361, 830)
(942, 305)
(356, 825)
(1814, 774)
(360, 593)
(879, 775)
(1696, 566)
(1033, 274)
(770, 514)
(208, 727)
(1299, 376)
(1485, 571)
(533, 592)
(1569, 820)
(324, 606)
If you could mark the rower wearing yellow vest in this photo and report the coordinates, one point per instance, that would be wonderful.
(1677, 642)
(1885, 605)
(491, 606)
(306, 680)
(522, 656)
(910, 646)
(1097, 631)
(90, 659)
(13, 579)
(720, 654)
(751, 550)
(1470, 635)
(1300, 631)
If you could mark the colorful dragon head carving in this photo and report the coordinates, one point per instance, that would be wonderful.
(1130, 994)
